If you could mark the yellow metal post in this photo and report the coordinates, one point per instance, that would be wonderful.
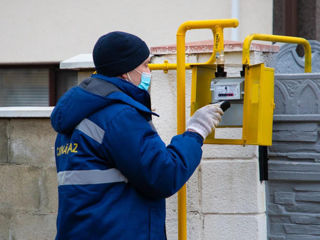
(276, 38)
(217, 26)
(181, 126)
(212, 59)
(181, 118)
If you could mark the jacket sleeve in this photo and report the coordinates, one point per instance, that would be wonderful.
(154, 169)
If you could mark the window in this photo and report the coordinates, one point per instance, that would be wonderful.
(32, 85)
(24, 87)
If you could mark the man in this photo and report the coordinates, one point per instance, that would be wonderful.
(114, 171)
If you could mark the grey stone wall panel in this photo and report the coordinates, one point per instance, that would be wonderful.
(305, 156)
(293, 176)
(3, 140)
(298, 219)
(284, 198)
(28, 226)
(50, 191)
(288, 61)
(306, 187)
(297, 93)
(291, 126)
(295, 136)
(281, 219)
(5, 218)
(303, 208)
(308, 197)
(302, 237)
(277, 237)
(277, 228)
(302, 229)
(285, 147)
(31, 142)
(294, 167)
(275, 209)
(19, 187)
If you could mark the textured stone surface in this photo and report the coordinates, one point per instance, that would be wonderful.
(31, 142)
(194, 213)
(3, 140)
(33, 227)
(302, 229)
(172, 217)
(305, 208)
(302, 237)
(297, 93)
(277, 238)
(294, 205)
(19, 187)
(194, 192)
(5, 218)
(229, 151)
(230, 186)
(305, 219)
(49, 191)
(284, 198)
(290, 196)
(288, 61)
(294, 169)
(239, 227)
(308, 197)
(194, 223)
(293, 136)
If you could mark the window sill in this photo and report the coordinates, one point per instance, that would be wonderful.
(25, 112)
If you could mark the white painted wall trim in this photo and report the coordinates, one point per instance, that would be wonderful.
(25, 112)
(80, 61)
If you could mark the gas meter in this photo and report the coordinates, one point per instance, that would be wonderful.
(251, 99)
(231, 90)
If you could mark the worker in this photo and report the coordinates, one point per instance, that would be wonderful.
(114, 171)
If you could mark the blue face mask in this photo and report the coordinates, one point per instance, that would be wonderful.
(145, 81)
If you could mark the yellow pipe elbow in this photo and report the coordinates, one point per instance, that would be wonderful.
(200, 24)
(277, 38)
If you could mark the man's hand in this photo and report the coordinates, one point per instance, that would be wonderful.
(205, 119)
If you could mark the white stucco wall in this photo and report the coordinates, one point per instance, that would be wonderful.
(50, 31)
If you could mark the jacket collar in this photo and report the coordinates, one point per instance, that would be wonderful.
(130, 93)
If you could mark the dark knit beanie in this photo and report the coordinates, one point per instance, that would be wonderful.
(117, 53)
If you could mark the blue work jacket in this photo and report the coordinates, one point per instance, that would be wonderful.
(114, 171)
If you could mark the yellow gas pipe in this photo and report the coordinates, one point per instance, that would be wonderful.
(181, 116)
(277, 38)
(217, 28)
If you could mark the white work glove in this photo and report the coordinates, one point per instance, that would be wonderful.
(205, 119)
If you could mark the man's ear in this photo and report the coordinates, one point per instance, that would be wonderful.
(124, 76)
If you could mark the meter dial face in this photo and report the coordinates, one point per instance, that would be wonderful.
(227, 92)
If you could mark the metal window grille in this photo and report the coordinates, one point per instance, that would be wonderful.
(24, 87)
